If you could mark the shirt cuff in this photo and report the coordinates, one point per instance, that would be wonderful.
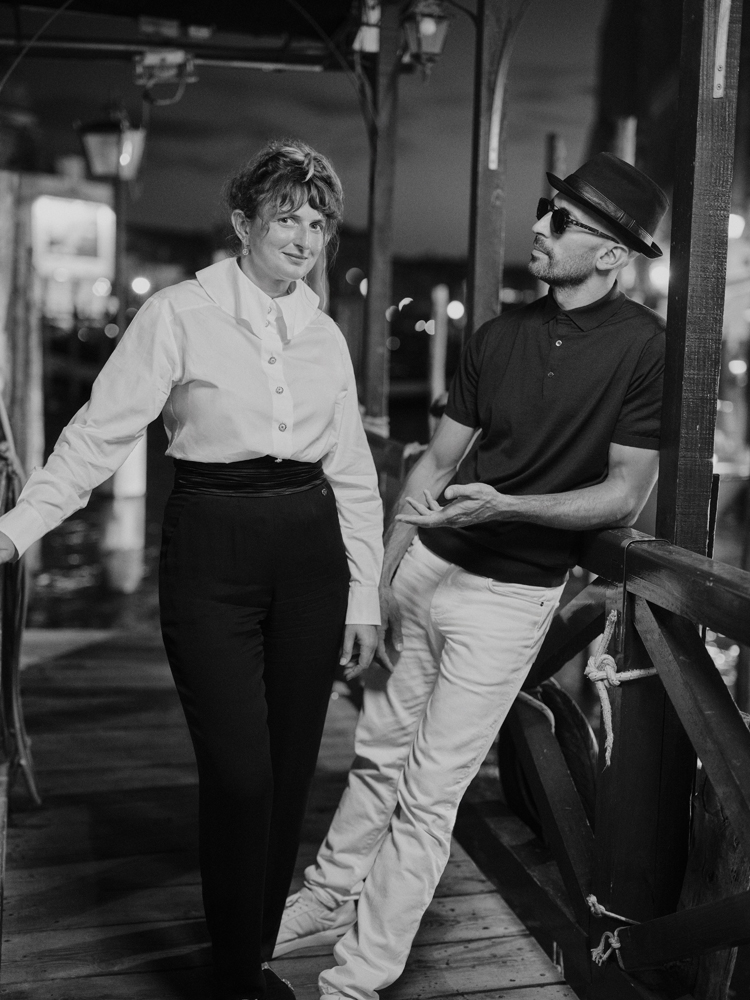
(23, 525)
(364, 604)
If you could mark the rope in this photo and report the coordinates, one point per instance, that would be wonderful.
(602, 671)
(598, 910)
(601, 953)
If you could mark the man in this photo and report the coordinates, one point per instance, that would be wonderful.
(565, 394)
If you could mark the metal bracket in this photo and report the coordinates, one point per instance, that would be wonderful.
(720, 51)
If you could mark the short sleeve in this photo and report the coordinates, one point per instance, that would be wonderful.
(639, 422)
(462, 405)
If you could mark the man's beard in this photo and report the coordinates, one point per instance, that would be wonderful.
(568, 272)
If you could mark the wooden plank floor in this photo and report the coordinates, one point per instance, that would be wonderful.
(102, 892)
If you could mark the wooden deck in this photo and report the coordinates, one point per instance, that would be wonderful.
(102, 893)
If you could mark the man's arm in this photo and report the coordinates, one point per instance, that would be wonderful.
(614, 503)
(433, 470)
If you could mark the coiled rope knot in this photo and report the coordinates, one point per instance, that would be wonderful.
(599, 955)
(602, 671)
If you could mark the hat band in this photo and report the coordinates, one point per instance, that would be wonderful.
(596, 198)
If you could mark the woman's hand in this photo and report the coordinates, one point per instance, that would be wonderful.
(8, 551)
(358, 649)
(390, 636)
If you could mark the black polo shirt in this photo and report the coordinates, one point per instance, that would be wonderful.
(549, 390)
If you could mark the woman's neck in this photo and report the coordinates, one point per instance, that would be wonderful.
(274, 287)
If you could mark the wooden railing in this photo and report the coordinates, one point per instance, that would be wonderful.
(635, 862)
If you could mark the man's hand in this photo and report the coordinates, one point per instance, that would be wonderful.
(365, 639)
(470, 504)
(389, 632)
(8, 552)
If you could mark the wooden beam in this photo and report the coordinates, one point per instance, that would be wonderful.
(380, 219)
(704, 158)
(705, 707)
(680, 935)
(564, 822)
(529, 880)
(703, 590)
(497, 22)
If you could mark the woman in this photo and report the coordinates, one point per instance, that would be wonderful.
(271, 545)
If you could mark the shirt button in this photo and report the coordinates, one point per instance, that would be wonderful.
(282, 427)
(270, 309)
(558, 343)
(272, 361)
(550, 374)
(279, 389)
(268, 322)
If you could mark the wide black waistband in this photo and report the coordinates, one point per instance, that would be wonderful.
(257, 477)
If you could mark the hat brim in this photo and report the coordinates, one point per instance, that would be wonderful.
(651, 250)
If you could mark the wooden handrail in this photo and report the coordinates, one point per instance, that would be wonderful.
(706, 591)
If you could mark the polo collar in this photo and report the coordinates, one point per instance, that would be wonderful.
(229, 287)
(586, 317)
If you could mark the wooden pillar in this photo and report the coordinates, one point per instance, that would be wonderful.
(703, 175)
(380, 221)
(497, 23)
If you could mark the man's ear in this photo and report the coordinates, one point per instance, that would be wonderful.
(615, 256)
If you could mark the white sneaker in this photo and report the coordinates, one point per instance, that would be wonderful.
(307, 922)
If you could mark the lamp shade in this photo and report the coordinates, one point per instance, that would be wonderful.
(425, 26)
(113, 149)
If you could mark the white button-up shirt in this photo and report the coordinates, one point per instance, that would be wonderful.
(237, 375)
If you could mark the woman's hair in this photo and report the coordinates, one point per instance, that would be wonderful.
(283, 176)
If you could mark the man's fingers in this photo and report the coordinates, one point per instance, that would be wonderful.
(431, 501)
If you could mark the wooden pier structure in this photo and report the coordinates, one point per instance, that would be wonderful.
(102, 892)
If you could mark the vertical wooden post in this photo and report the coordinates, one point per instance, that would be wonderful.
(380, 221)
(709, 65)
(497, 24)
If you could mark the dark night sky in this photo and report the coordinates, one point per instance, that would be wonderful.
(222, 119)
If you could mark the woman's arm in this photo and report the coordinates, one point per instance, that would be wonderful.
(350, 469)
(128, 394)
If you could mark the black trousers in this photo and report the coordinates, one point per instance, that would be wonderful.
(253, 595)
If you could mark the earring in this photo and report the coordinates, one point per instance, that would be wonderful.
(245, 250)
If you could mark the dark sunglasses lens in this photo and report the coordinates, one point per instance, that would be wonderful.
(559, 220)
(544, 207)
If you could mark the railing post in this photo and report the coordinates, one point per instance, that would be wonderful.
(709, 65)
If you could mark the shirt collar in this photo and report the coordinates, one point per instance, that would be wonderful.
(585, 317)
(231, 289)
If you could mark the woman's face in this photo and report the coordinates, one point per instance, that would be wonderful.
(283, 247)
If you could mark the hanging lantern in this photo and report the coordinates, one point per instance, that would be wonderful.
(112, 147)
(425, 26)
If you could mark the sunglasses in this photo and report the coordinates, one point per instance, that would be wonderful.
(561, 220)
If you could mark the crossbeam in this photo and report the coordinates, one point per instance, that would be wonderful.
(654, 943)
(711, 719)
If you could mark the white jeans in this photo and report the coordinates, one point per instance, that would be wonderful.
(423, 733)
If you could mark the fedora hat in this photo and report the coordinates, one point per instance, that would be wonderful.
(630, 203)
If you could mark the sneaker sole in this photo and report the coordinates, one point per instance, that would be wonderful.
(322, 937)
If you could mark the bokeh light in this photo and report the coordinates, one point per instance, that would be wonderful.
(141, 285)
(455, 309)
